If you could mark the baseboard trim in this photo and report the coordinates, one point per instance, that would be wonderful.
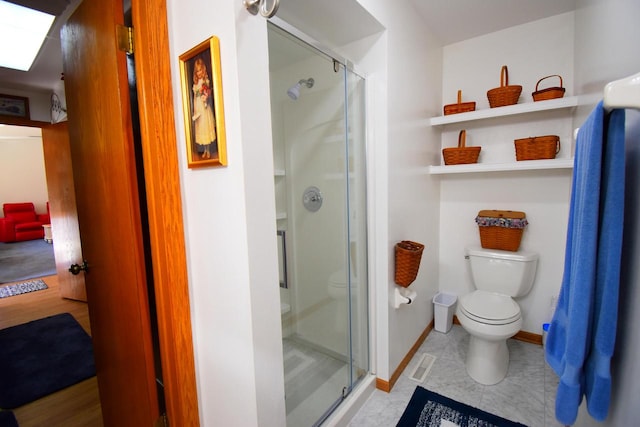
(524, 336)
(386, 386)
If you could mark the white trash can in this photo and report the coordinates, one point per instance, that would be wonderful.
(443, 309)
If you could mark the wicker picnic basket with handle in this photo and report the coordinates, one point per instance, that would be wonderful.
(537, 147)
(505, 94)
(501, 229)
(550, 92)
(461, 154)
(408, 255)
(460, 107)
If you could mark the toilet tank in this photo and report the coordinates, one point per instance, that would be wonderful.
(505, 272)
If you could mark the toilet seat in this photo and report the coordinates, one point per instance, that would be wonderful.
(489, 308)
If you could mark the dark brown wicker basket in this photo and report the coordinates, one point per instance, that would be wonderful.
(550, 92)
(408, 255)
(505, 94)
(503, 238)
(461, 154)
(460, 107)
(537, 147)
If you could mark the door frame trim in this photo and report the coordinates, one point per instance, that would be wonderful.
(164, 203)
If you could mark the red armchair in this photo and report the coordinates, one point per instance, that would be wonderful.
(21, 222)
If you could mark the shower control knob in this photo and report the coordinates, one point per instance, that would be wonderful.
(312, 199)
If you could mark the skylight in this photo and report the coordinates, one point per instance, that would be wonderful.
(22, 31)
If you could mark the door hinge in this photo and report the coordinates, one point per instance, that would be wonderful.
(124, 35)
(162, 421)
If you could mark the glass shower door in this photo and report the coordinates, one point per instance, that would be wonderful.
(317, 150)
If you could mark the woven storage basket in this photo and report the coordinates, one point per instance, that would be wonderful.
(461, 154)
(460, 107)
(408, 255)
(550, 92)
(505, 94)
(501, 229)
(537, 147)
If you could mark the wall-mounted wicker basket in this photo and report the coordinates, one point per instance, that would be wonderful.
(550, 92)
(461, 154)
(501, 229)
(537, 147)
(460, 107)
(505, 94)
(408, 255)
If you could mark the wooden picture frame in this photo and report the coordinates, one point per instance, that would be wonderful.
(14, 106)
(201, 78)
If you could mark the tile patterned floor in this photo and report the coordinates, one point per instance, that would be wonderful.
(526, 395)
(313, 382)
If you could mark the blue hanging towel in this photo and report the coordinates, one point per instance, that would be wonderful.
(581, 336)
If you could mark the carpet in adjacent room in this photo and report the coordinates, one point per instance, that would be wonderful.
(26, 260)
(41, 357)
(429, 409)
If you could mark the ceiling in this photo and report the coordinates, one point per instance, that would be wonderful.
(455, 20)
(450, 21)
(47, 68)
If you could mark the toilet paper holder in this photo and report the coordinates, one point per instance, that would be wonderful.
(403, 296)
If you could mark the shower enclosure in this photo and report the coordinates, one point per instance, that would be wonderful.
(318, 123)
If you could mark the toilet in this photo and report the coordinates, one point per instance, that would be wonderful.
(489, 314)
(337, 288)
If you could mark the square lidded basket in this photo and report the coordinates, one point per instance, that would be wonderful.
(501, 229)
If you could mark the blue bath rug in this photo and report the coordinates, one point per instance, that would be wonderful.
(22, 288)
(41, 357)
(7, 419)
(428, 409)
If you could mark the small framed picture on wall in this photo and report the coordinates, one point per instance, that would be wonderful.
(14, 106)
(200, 75)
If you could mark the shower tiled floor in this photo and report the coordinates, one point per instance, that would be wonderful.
(313, 382)
(526, 395)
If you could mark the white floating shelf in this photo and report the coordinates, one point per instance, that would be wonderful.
(503, 167)
(281, 215)
(529, 107)
(279, 172)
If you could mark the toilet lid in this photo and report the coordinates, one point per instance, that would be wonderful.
(489, 307)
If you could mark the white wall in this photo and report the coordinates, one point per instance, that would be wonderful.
(604, 53)
(230, 226)
(406, 67)
(531, 51)
(22, 176)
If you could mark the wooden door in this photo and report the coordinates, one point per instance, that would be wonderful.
(109, 214)
(62, 206)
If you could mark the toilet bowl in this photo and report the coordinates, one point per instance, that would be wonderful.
(337, 285)
(337, 288)
(490, 314)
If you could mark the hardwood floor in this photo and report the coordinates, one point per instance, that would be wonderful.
(75, 406)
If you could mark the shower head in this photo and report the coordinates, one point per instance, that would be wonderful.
(294, 91)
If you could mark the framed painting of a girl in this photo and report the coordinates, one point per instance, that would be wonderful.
(200, 74)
